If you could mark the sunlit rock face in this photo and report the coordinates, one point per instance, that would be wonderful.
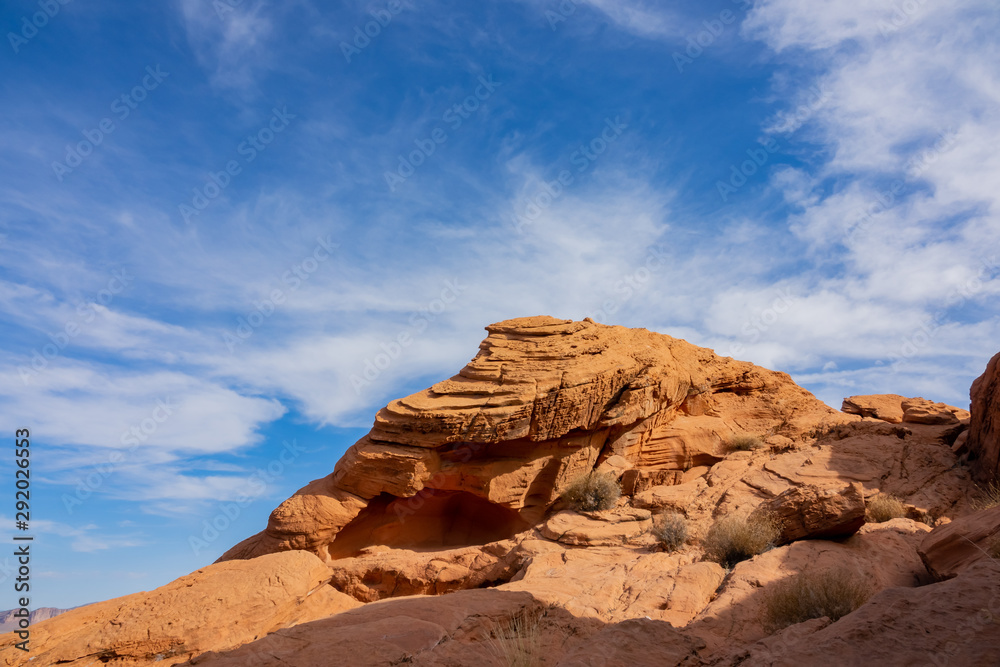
(544, 401)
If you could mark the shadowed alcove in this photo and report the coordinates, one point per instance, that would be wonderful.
(430, 520)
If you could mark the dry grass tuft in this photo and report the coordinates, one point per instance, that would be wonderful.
(671, 531)
(745, 442)
(808, 595)
(734, 539)
(993, 548)
(517, 641)
(990, 497)
(593, 491)
(884, 507)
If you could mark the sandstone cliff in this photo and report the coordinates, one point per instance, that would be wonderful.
(984, 434)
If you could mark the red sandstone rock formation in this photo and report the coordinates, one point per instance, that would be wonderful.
(485, 454)
(953, 547)
(813, 511)
(984, 429)
(458, 487)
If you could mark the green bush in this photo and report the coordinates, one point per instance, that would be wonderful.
(593, 491)
(733, 539)
(745, 442)
(808, 595)
(516, 641)
(884, 507)
(671, 530)
(990, 497)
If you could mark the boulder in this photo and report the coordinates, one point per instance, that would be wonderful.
(922, 411)
(887, 407)
(381, 572)
(984, 427)
(896, 409)
(676, 498)
(818, 512)
(961, 445)
(614, 583)
(951, 548)
(607, 528)
(614, 465)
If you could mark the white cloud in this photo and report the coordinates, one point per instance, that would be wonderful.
(83, 404)
(906, 128)
(229, 40)
(82, 539)
(647, 19)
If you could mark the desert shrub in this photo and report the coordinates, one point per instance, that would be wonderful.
(884, 507)
(993, 548)
(593, 491)
(807, 595)
(671, 531)
(516, 641)
(990, 496)
(745, 442)
(733, 539)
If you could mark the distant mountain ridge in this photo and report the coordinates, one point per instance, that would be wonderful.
(9, 623)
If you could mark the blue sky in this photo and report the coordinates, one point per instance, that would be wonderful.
(232, 230)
